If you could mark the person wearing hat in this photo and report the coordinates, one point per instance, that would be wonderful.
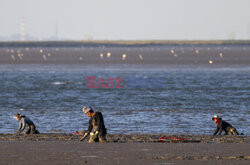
(25, 122)
(96, 123)
(223, 126)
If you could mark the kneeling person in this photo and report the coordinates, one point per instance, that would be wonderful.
(96, 123)
(25, 122)
(224, 126)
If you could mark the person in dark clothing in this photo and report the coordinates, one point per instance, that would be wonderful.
(223, 126)
(96, 123)
(25, 122)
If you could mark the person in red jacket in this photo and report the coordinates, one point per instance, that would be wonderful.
(223, 126)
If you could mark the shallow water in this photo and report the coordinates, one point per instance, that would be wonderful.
(176, 99)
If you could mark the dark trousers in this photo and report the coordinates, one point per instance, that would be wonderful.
(31, 129)
(97, 138)
(231, 131)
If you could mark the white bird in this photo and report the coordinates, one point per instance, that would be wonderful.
(101, 56)
(44, 57)
(13, 57)
(124, 57)
(140, 56)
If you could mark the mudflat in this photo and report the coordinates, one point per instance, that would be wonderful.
(124, 149)
(103, 54)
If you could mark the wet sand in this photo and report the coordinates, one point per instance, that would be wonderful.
(124, 149)
(104, 54)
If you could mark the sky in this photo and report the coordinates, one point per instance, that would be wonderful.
(126, 19)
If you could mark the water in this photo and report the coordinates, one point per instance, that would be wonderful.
(182, 99)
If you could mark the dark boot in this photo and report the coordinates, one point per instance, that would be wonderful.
(33, 130)
(233, 131)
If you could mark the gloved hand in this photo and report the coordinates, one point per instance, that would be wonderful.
(84, 136)
(94, 133)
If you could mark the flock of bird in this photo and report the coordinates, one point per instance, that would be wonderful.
(17, 54)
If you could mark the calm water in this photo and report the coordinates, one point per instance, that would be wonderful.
(176, 99)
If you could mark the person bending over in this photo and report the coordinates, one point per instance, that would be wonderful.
(25, 122)
(223, 126)
(96, 123)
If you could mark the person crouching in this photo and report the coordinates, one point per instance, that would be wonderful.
(25, 122)
(96, 123)
(223, 126)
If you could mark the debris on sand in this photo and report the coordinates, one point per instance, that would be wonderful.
(133, 138)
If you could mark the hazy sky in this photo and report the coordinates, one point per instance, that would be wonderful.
(128, 19)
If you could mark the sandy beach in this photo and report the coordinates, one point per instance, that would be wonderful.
(124, 149)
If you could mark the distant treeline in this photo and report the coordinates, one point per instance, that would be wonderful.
(120, 43)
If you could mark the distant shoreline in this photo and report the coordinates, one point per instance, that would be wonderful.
(120, 43)
(126, 52)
